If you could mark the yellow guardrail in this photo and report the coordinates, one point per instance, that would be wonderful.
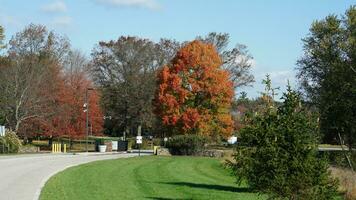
(155, 149)
(57, 148)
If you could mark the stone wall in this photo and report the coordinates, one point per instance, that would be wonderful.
(29, 149)
(205, 153)
(161, 151)
(108, 146)
(212, 153)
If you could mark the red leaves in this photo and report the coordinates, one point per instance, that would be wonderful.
(164, 74)
(190, 119)
(72, 117)
(194, 94)
(68, 118)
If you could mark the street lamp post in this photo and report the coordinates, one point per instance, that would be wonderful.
(86, 109)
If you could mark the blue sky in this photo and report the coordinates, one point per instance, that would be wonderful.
(272, 30)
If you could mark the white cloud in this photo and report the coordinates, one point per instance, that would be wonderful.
(150, 4)
(55, 7)
(282, 77)
(8, 20)
(62, 21)
(279, 79)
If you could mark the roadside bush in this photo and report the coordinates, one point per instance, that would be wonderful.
(277, 154)
(157, 142)
(131, 143)
(3, 145)
(145, 144)
(13, 141)
(335, 158)
(101, 141)
(186, 144)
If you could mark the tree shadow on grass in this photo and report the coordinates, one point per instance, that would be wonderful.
(161, 198)
(203, 186)
(211, 187)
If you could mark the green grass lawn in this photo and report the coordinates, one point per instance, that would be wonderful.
(148, 177)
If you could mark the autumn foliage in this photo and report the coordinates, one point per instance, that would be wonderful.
(71, 120)
(68, 117)
(194, 94)
(43, 84)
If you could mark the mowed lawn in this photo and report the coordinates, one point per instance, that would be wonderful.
(147, 177)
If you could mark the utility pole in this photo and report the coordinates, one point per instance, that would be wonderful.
(86, 109)
(139, 141)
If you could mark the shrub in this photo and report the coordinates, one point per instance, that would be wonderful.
(186, 144)
(13, 141)
(277, 154)
(131, 143)
(146, 143)
(337, 158)
(3, 145)
(102, 141)
(157, 142)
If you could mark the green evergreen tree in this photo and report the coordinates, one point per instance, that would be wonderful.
(277, 154)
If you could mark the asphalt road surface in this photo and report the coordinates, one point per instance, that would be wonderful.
(23, 176)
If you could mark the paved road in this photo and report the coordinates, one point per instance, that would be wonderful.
(22, 177)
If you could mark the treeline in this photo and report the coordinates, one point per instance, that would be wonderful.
(277, 154)
(326, 74)
(126, 71)
(44, 81)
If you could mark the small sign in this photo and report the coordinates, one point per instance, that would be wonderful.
(139, 139)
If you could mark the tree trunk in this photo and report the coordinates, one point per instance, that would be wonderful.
(18, 122)
(345, 152)
(50, 141)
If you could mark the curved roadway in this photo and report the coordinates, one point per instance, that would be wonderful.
(22, 177)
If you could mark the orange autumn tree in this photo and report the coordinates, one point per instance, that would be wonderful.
(194, 93)
(71, 120)
(68, 118)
